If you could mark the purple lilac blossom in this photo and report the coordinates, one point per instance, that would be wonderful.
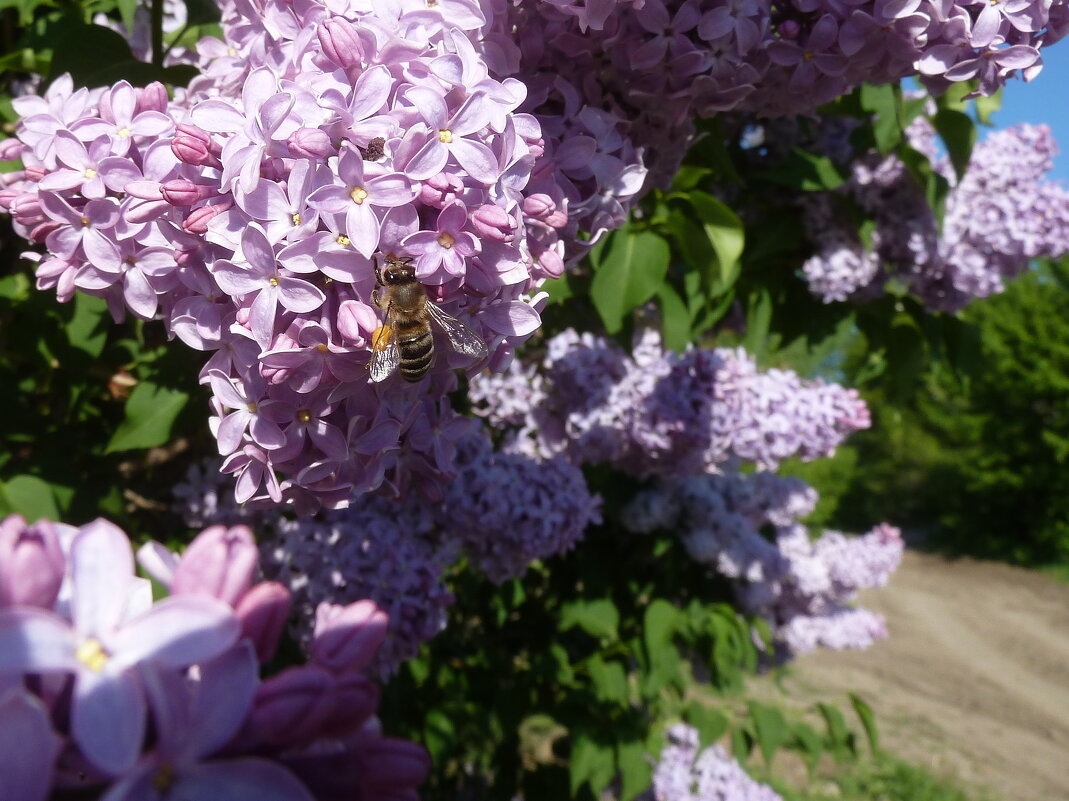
(685, 772)
(502, 512)
(657, 413)
(803, 587)
(999, 216)
(96, 654)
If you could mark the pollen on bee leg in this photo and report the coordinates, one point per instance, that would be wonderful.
(382, 337)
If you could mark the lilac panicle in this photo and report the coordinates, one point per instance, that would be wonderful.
(685, 773)
(802, 587)
(185, 668)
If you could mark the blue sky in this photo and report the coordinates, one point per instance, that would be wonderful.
(1045, 99)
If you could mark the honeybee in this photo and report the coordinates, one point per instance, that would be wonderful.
(405, 338)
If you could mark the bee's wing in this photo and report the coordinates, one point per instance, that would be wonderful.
(461, 338)
(385, 354)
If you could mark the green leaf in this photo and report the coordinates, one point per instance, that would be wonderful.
(741, 743)
(882, 101)
(126, 11)
(758, 323)
(726, 234)
(559, 289)
(868, 721)
(609, 679)
(839, 738)
(710, 723)
(809, 743)
(635, 770)
(958, 133)
(597, 618)
(591, 763)
(30, 497)
(675, 319)
(660, 624)
(631, 271)
(770, 728)
(88, 328)
(806, 171)
(201, 12)
(988, 105)
(150, 412)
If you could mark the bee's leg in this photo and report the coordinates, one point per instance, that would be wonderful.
(376, 297)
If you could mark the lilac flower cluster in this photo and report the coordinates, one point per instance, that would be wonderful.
(639, 70)
(657, 413)
(502, 512)
(999, 216)
(89, 665)
(248, 213)
(801, 587)
(684, 774)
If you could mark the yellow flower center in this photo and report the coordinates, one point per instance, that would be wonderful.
(251, 407)
(445, 240)
(304, 416)
(90, 173)
(359, 194)
(296, 218)
(343, 240)
(322, 348)
(92, 654)
(808, 55)
(445, 135)
(85, 222)
(163, 779)
(273, 280)
(125, 132)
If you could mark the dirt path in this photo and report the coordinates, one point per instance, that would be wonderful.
(973, 681)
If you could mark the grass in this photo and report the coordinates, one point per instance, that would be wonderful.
(884, 779)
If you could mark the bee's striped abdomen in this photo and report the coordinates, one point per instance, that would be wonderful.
(417, 351)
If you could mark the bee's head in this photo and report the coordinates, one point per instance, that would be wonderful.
(397, 270)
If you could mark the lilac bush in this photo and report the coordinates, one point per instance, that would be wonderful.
(90, 664)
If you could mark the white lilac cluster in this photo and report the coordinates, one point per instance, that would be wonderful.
(502, 512)
(108, 693)
(802, 587)
(658, 413)
(685, 772)
(998, 217)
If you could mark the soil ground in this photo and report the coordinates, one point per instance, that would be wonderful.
(973, 681)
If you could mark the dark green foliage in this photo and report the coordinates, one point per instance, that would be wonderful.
(977, 461)
(83, 401)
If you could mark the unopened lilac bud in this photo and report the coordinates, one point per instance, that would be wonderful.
(310, 143)
(11, 149)
(181, 192)
(152, 98)
(788, 29)
(34, 173)
(355, 700)
(551, 264)
(194, 146)
(40, 233)
(263, 612)
(542, 208)
(31, 563)
(290, 707)
(356, 322)
(340, 43)
(198, 219)
(220, 562)
(27, 210)
(441, 189)
(493, 223)
(346, 637)
(390, 763)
